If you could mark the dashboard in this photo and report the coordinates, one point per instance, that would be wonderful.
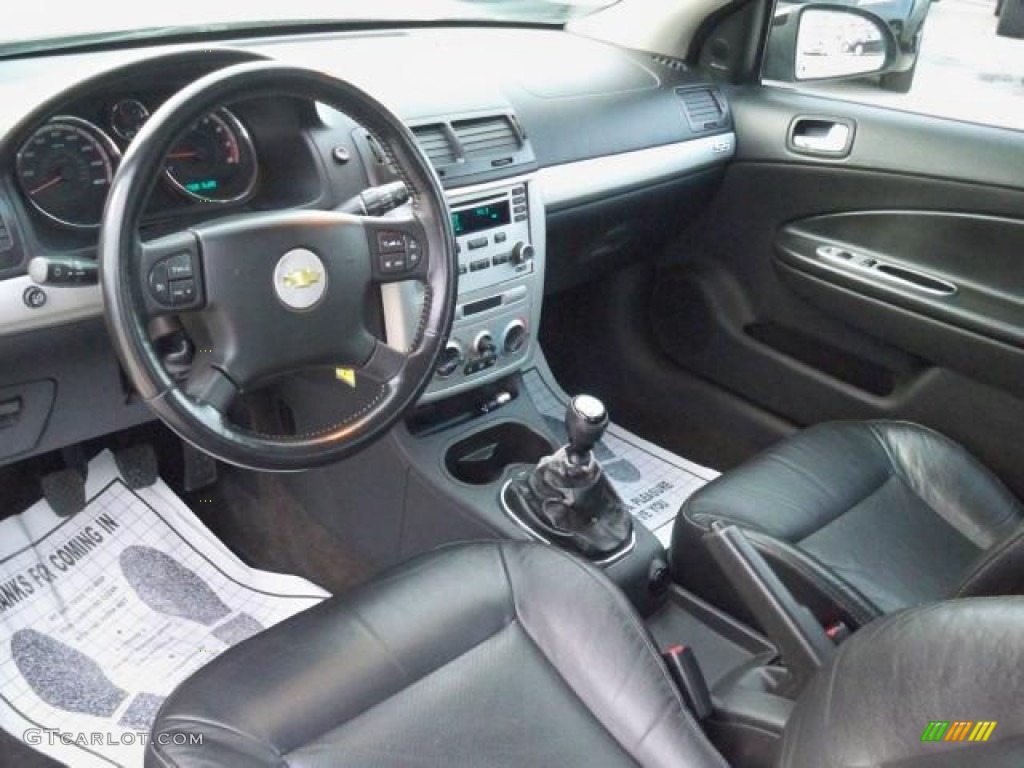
(561, 156)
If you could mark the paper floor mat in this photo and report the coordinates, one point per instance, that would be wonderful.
(652, 482)
(103, 614)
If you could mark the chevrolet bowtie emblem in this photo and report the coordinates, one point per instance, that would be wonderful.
(301, 278)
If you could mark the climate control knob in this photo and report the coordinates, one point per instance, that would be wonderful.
(449, 360)
(484, 346)
(515, 337)
(521, 253)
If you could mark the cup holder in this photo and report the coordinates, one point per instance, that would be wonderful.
(481, 458)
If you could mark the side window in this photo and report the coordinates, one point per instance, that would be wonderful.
(962, 59)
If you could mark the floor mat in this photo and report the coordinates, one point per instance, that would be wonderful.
(651, 481)
(104, 613)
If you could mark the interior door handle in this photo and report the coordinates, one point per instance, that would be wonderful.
(825, 136)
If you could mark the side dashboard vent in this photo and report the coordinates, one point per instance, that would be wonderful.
(6, 241)
(435, 143)
(704, 107)
(487, 136)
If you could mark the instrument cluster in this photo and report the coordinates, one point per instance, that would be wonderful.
(65, 168)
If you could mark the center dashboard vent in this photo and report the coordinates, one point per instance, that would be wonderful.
(487, 136)
(475, 145)
(436, 143)
(704, 107)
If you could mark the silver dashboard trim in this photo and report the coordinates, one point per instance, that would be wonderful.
(63, 305)
(584, 180)
(558, 185)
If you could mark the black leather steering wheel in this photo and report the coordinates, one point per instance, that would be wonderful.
(280, 291)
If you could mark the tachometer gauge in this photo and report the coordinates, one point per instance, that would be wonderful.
(127, 117)
(215, 161)
(65, 169)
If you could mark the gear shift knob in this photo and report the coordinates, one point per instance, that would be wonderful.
(586, 419)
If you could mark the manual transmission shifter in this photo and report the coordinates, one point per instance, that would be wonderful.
(566, 498)
(585, 421)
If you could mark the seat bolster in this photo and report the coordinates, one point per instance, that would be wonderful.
(592, 636)
(960, 489)
(999, 571)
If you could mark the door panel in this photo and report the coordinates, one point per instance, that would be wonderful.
(812, 339)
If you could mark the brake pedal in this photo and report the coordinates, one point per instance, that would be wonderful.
(64, 491)
(137, 465)
(200, 468)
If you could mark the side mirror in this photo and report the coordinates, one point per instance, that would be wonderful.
(828, 42)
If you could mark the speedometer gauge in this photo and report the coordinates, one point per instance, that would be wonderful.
(65, 169)
(215, 161)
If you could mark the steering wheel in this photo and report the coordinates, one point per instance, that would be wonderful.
(275, 292)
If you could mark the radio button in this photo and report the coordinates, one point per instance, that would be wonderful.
(501, 258)
(500, 237)
(476, 266)
(519, 209)
(520, 217)
(522, 253)
(479, 242)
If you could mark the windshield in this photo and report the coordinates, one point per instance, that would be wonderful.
(38, 26)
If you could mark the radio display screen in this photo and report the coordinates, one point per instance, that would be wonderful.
(480, 217)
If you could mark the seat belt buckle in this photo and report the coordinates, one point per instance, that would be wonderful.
(686, 673)
(837, 632)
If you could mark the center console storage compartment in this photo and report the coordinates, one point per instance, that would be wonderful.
(482, 457)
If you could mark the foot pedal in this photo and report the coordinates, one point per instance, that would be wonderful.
(200, 469)
(65, 491)
(137, 465)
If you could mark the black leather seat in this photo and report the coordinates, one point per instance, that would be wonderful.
(514, 654)
(861, 519)
(492, 654)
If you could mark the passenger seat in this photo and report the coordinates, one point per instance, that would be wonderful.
(861, 519)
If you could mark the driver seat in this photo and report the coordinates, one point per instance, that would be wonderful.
(489, 654)
(517, 655)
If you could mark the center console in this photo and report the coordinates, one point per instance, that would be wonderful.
(500, 242)
(500, 226)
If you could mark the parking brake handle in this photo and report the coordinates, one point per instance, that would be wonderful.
(793, 629)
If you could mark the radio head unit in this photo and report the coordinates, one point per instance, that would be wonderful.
(499, 233)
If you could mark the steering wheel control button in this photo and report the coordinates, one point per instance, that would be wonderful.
(183, 292)
(179, 266)
(159, 283)
(390, 242)
(392, 262)
(300, 279)
(34, 297)
(413, 251)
